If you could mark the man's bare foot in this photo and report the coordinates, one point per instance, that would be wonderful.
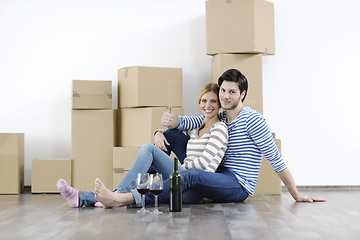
(110, 199)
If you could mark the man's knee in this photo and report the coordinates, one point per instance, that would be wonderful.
(191, 174)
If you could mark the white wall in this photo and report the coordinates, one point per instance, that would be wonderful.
(309, 85)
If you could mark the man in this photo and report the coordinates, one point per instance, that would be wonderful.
(249, 139)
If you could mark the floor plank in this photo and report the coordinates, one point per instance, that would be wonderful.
(48, 216)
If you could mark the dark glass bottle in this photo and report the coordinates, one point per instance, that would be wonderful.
(175, 189)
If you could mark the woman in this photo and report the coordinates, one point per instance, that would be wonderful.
(205, 149)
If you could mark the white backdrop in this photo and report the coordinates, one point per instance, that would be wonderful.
(309, 85)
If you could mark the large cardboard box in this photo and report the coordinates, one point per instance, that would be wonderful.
(93, 134)
(137, 125)
(269, 181)
(123, 160)
(46, 172)
(11, 163)
(248, 64)
(240, 26)
(149, 87)
(89, 94)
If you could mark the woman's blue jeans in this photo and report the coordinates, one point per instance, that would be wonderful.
(197, 184)
(145, 162)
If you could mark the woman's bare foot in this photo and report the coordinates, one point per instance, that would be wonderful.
(110, 199)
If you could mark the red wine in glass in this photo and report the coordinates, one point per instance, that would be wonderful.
(142, 191)
(156, 192)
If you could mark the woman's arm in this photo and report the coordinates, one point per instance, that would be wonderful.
(160, 140)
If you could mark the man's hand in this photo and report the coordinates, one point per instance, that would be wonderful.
(169, 120)
(287, 178)
(304, 198)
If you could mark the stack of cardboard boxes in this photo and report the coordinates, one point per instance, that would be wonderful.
(93, 133)
(238, 33)
(143, 95)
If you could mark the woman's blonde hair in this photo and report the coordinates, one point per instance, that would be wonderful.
(210, 87)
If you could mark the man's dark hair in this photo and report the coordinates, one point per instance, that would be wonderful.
(234, 75)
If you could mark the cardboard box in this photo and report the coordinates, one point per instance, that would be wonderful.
(11, 163)
(91, 94)
(93, 134)
(118, 176)
(248, 64)
(269, 181)
(149, 87)
(137, 125)
(123, 160)
(240, 26)
(46, 172)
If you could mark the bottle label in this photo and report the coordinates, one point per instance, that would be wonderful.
(175, 199)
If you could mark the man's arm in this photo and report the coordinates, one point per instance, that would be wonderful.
(287, 178)
(169, 120)
(182, 123)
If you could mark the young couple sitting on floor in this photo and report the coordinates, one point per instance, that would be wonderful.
(220, 153)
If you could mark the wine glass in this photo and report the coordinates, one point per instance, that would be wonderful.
(142, 186)
(156, 187)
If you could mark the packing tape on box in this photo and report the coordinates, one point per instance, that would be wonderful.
(126, 72)
(75, 94)
(118, 170)
(228, 1)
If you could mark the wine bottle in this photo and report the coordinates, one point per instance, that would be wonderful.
(175, 189)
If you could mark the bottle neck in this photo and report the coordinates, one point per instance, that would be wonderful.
(175, 164)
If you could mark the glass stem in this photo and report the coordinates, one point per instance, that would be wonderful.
(156, 202)
(143, 202)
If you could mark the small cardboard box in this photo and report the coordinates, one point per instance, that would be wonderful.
(11, 163)
(269, 181)
(93, 136)
(89, 94)
(248, 64)
(137, 125)
(240, 26)
(149, 87)
(123, 160)
(46, 172)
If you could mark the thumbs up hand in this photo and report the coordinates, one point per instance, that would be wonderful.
(168, 119)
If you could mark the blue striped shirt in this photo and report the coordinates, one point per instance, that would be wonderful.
(249, 138)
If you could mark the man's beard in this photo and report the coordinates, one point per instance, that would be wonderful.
(233, 105)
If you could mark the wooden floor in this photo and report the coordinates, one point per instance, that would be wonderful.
(47, 216)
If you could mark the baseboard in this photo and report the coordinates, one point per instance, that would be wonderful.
(325, 187)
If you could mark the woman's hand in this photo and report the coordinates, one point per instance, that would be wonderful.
(160, 141)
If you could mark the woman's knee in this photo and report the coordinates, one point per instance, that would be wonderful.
(147, 147)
